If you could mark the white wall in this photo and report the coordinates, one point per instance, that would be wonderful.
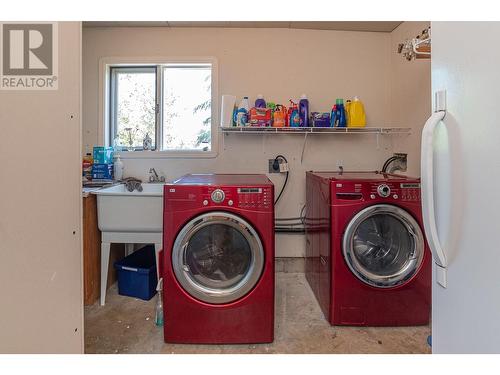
(41, 294)
(410, 93)
(323, 64)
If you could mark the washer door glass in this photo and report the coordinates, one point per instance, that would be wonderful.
(383, 246)
(218, 257)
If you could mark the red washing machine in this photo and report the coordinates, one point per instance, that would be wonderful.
(367, 262)
(218, 267)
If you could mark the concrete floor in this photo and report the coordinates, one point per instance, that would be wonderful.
(126, 325)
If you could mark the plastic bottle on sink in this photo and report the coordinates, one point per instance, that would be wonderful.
(118, 168)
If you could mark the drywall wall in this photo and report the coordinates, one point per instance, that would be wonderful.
(321, 63)
(410, 93)
(40, 204)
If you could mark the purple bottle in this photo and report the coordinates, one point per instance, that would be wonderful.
(260, 102)
(304, 111)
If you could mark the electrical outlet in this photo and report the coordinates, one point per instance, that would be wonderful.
(284, 167)
(272, 168)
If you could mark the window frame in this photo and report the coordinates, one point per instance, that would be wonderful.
(105, 135)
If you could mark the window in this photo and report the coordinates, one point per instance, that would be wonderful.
(171, 103)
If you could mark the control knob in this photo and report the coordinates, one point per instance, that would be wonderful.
(218, 196)
(383, 190)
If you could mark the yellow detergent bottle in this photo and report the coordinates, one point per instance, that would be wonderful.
(357, 117)
(348, 111)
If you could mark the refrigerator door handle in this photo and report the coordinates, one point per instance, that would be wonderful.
(427, 173)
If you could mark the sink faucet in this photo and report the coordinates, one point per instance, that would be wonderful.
(153, 176)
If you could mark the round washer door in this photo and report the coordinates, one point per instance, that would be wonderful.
(383, 246)
(218, 257)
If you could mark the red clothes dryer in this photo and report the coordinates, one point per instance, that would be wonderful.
(367, 262)
(218, 266)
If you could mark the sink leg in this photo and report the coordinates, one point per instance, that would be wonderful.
(105, 249)
(157, 254)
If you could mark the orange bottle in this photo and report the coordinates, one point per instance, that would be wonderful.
(280, 116)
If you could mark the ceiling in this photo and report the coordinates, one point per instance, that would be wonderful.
(376, 26)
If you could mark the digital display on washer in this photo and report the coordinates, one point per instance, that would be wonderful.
(410, 186)
(249, 190)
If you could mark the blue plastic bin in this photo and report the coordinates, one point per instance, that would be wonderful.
(137, 274)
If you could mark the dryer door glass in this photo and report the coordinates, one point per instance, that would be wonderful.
(218, 257)
(383, 246)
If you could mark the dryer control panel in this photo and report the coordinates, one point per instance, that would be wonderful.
(385, 190)
(396, 191)
(253, 198)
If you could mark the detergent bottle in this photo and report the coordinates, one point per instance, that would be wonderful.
(341, 119)
(304, 111)
(357, 116)
(289, 113)
(242, 112)
(333, 116)
(260, 102)
(347, 109)
(279, 116)
(293, 115)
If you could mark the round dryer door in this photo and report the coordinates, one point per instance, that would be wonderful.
(383, 246)
(218, 257)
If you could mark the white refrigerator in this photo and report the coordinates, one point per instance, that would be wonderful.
(461, 187)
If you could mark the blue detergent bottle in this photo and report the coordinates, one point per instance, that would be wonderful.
(341, 118)
(333, 116)
(304, 111)
(295, 117)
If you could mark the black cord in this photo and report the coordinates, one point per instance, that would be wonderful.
(388, 162)
(303, 215)
(286, 178)
(291, 231)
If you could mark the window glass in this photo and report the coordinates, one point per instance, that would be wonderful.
(187, 102)
(134, 106)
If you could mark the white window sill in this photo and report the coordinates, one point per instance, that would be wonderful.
(167, 154)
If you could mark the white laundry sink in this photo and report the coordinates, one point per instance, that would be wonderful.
(119, 210)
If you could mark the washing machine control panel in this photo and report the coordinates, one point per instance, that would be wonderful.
(252, 198)
(387, 190)
(408, 192)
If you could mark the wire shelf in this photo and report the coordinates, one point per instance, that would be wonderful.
(289, 130)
